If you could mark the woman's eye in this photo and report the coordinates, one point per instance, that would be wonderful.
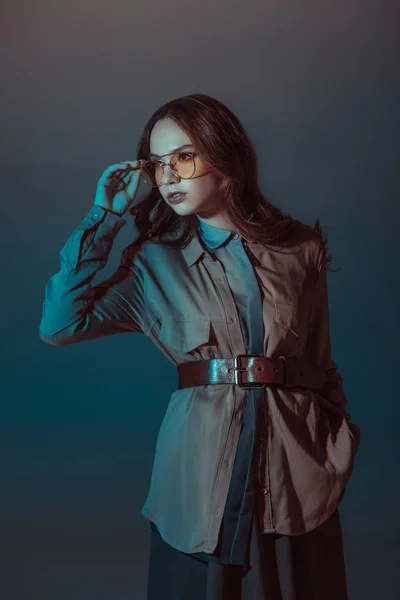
(183, 156)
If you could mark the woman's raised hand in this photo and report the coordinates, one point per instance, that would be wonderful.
(118, 186)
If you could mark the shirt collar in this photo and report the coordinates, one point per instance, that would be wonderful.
(207, 237)
(213, 237)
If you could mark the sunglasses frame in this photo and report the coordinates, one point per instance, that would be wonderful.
(150, 160)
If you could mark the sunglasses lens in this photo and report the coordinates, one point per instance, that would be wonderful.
(182, 163)
(148, 175)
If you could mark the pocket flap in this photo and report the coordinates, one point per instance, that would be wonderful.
(185, 335)
(287, 315)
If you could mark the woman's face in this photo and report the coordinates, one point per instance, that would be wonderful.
(166, 137)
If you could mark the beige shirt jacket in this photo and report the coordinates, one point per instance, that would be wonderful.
(181, 300)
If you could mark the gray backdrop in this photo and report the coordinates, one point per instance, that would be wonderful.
(316, 84)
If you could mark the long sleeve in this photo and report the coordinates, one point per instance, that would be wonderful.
(73, 310)
(318, 350)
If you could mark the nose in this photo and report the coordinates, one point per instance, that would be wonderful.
(168, 175)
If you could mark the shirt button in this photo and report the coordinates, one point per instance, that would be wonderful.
(235, 236)
(220, 279)
(228, 463)
(232, 319)
(264, 491)
(217, 511)
(96, 216)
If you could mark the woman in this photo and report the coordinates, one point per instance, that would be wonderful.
(256, 446)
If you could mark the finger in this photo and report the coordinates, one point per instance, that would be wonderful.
(121, 166)
(115, 184)
(133, 183)
(113, 177)
(127, 177)
(132, 164)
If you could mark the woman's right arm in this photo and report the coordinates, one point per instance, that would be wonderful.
(73, 310)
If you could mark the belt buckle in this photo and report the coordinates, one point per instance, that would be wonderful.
(237, 369)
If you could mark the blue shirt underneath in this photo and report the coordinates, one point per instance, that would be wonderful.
(234, 538)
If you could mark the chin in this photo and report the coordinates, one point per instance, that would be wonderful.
(182, 210)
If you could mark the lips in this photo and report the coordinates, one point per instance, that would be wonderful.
(172, 192)
(175, 200)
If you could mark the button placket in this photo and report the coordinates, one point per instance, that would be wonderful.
(227, 304)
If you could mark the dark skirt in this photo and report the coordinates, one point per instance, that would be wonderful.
(304, 567)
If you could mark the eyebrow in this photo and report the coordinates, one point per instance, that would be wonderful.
(172, 151)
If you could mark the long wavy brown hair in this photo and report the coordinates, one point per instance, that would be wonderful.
(221, 141)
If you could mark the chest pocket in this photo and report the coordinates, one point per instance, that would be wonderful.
(184, 335)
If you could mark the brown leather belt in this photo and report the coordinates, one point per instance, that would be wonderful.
(251, 371)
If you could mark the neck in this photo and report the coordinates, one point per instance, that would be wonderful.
(219, 221)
